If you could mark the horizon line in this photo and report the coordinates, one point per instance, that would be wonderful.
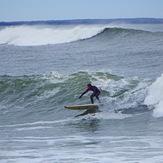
(39, 20)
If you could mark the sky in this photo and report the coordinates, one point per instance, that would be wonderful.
(30, 10)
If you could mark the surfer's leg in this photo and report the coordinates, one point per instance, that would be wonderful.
(92, 98)
(98, 97)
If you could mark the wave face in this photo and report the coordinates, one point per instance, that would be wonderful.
(34, 35)
(43, 97)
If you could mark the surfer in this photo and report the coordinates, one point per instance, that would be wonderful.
(96, 92)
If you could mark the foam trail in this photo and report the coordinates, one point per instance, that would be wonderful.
(43, 35)
(155, 97)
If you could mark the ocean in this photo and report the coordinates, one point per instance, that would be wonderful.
(46, 65)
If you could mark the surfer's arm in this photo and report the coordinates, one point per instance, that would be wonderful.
(84, 93)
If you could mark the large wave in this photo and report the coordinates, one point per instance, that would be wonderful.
(33, 35)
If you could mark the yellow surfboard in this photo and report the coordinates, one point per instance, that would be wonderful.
(82, 107)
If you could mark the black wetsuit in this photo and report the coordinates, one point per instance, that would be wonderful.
(96, 93)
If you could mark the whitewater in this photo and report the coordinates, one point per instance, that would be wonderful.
(45, 66)
(27, 35)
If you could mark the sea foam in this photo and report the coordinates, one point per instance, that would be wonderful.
(155, 97)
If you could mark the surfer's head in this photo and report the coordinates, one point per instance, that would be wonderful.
(89, 85)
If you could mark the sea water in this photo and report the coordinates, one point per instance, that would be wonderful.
(44, 67)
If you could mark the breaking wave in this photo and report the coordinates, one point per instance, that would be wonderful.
(35, 35)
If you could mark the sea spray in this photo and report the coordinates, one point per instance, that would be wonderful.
(36, 35)
(155, 97)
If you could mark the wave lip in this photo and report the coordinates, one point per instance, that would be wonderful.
(43, 35)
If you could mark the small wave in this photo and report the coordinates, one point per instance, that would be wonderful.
(155, 97)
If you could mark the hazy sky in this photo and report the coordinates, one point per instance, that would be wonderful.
(15, 10)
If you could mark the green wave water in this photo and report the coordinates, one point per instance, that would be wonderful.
(43, 97)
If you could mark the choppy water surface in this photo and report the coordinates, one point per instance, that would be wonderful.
(45, 67)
